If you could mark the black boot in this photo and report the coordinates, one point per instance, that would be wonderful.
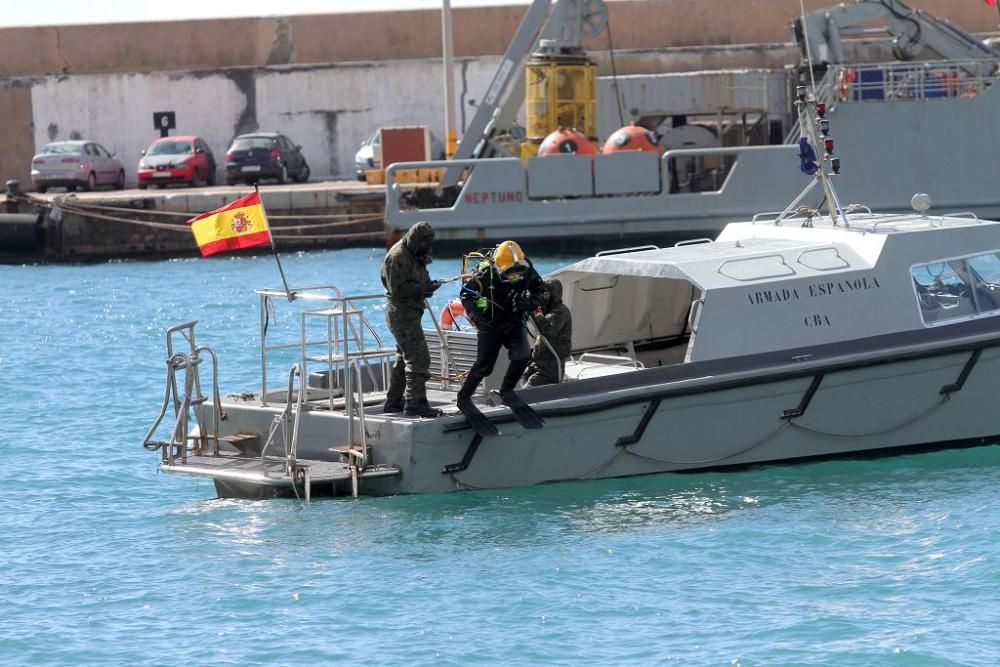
(420, 408)
(393, 405)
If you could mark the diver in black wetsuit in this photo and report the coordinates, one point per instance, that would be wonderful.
(501, 291)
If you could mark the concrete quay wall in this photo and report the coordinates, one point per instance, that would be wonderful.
(112, 225)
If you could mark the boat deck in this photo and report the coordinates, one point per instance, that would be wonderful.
(269, 471)
(319, 399)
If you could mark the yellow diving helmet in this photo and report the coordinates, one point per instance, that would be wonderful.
(510, 261)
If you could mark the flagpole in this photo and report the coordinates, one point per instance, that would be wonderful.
(281, 271)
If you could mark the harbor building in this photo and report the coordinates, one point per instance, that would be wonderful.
(329, 80)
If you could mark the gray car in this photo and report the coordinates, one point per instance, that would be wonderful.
(76, 165)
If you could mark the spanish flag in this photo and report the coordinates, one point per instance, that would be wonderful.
(241, 224)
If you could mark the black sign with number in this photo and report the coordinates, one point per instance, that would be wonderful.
(164, 121)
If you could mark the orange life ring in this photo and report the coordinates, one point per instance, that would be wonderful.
(450, 314)
(845, 78)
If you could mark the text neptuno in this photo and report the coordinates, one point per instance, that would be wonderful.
(492, 197)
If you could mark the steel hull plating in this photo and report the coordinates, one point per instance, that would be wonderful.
(846, 406)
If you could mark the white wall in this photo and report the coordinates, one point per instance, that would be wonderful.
(117, 110)
(328, 109)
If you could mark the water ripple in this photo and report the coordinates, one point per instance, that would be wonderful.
(887, 561)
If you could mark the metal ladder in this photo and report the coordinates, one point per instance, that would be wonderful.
(194, 449)
(200, 454)
(302, 472)
(290, 437)
(358, 454)
(180, 436)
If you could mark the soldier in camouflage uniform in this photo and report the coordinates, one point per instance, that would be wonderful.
(407, 284)
(556, 324)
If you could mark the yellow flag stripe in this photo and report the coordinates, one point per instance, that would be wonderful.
(228, 224)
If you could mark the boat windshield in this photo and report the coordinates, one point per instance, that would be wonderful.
(958, 288)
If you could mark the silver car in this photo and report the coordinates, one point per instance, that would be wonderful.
(74, 165)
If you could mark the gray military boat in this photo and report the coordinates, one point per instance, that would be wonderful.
(898, 120)
(804, 333)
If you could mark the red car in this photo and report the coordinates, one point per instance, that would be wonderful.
(176, 160)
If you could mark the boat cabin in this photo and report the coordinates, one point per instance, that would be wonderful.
(765, 287)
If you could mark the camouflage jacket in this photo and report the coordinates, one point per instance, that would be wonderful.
(404, 269)
(556, 324)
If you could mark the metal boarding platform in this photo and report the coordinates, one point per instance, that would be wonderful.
(239, 462)
(271, 473)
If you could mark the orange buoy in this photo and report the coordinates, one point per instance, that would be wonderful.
(845, 78)
(631, 138)
(566, 141)
(452, 311)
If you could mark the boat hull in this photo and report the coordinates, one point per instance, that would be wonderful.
(841, 407)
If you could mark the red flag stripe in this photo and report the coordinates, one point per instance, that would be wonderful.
(235, 243)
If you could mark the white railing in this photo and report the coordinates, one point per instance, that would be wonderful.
(348, 336)
(923, 80)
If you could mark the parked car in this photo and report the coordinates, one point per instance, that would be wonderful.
(260, 155)
(76, 164)
(366, 157)
(176, 160)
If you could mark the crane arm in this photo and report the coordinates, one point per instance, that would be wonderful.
(912, 30)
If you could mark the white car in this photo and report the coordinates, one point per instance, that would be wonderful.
(76, 164)
(365, 158)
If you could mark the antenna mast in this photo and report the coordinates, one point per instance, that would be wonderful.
(815, 141)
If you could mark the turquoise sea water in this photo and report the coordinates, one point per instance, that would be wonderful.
(105, 562)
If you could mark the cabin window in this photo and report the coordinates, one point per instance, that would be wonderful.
(958, 288)
(985, 273)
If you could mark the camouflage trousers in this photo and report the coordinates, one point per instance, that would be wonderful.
(413, 360)
(542, 372)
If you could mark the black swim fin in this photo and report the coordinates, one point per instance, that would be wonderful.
(477, 420)
(523, 413)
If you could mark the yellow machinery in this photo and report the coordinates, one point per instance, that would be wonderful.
(560, 91)
(559, 88)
